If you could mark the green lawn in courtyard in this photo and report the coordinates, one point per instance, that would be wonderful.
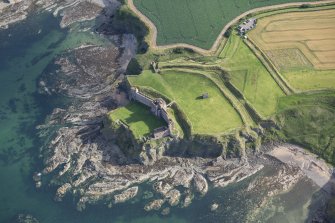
(138, 117)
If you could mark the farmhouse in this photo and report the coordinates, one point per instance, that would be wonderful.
(249, 24)
(158, 107)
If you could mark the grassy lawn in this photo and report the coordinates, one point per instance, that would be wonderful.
(148, 80)
(139, 119)
(214, 115)
(196, 22)
(250, 76)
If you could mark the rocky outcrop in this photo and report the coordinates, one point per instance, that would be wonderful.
(200, 184)
(81, 11)
(125, 195)
(173, 197)
(72, 11)
(14, 11)
(188, 199)
(61, 191)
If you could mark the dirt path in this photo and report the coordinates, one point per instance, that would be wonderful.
(212, 50)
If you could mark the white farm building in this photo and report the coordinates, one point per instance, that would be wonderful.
(246, 26)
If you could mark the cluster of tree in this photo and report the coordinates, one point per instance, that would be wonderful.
(305, 6)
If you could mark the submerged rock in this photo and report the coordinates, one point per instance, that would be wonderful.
(214, 206)
(37, 178)
(165, 211)
(188, 199)
(26, 218)
(154, 205)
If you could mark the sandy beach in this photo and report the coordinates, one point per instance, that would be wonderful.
(315, 168)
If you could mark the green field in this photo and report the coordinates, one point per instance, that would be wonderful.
(301, 46)
(195, 22)
(138, 118)
(249, 75)
(310, 79)
(214, 115)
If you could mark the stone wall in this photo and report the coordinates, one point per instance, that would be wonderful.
(165, 116)
(156, 109)
(138, 96)
(161, 132)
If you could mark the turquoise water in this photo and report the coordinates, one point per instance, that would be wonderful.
(26, 49)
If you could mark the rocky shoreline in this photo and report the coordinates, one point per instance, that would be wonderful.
(85, 162)
(94, 168)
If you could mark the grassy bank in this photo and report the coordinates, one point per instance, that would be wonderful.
(309, 120)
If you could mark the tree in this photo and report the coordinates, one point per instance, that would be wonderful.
(228, 32)
(134, 68)
(305, 6)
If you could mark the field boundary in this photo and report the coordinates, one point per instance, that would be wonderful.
(286, 88)
(153, 30)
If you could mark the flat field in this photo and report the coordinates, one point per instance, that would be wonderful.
(214, 115)
(195, 22)
(301, 45)
(250, 76)
(139, 119)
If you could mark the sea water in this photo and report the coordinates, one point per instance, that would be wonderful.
(26, 49)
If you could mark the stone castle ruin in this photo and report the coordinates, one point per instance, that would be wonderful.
(158, 107)
(155, 67)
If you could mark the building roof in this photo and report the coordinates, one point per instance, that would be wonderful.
(247, 25)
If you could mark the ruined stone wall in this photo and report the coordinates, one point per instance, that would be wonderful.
(165, 116)
(161, 133)
(135, 95)
(138, 96)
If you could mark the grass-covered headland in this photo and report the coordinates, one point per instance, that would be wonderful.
(251, 100)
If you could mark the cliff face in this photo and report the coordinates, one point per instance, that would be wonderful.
(149, 150)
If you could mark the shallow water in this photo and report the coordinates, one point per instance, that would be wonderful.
(25, 51)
